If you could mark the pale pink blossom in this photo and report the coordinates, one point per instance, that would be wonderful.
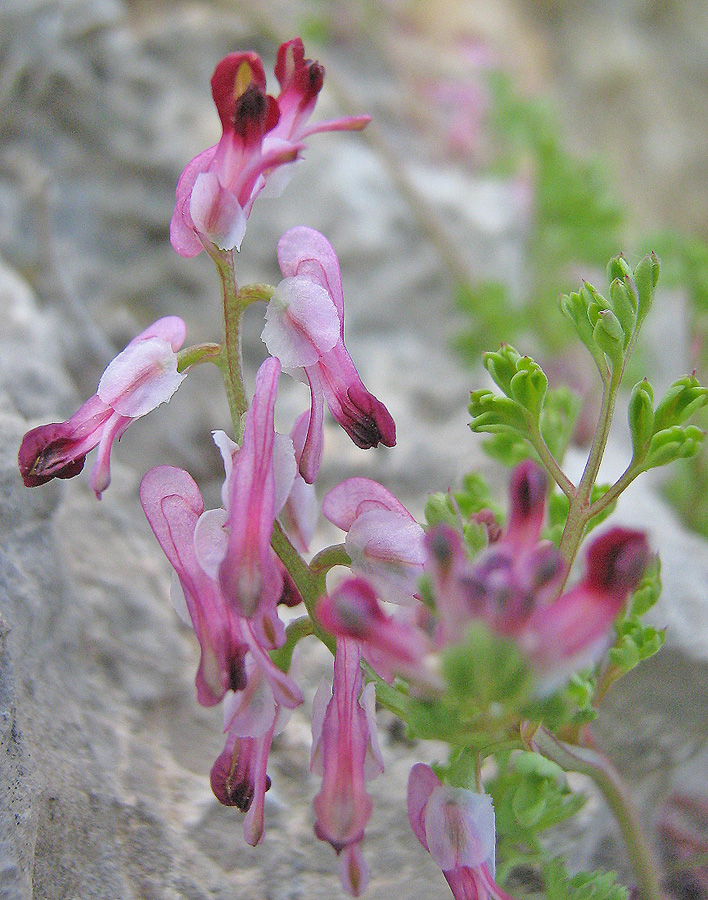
(384, 542)
(305, 331)
(138, 380)
(456, 826)
(345, 752)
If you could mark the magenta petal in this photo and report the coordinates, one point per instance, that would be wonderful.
(113, 430)
(353, 871)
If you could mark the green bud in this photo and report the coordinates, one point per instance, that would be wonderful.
(529, 386)
(682, 399)
(609, 336)
(623, 306)
(574, 308)
(646, 277)
(492, 413)
(438, 510)
(502, 366)
(618, 267)
(626, 654)
(641, 417)
(677, 442)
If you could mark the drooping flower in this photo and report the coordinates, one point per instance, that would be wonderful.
(305, 331)
(456, 826)
(138, 380)
(345, 752)
(260, 136)
(384, 542)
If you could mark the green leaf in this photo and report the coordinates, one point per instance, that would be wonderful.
(492, 413)
(583, 886)
(670, 444)
(681, 401)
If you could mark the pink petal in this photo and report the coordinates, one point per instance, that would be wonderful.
(304, 251)
(217, 213)
(353, 871)
(140, 378)
(113, 430)
(344, 502)
(459, 826)
(422, 781)
(301, 323)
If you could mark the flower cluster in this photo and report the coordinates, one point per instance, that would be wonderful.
(261, 136)
(230, 583)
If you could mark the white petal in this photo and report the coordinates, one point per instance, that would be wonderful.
(301, 323)
(140, 378)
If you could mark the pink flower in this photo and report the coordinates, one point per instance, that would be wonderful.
(384, 542)
(514, 585)
(391, 646)
(138, 380)
(345, 752)
(305, 331)
(258, 486)
(456, 827)
(261, 134)
(174, 509)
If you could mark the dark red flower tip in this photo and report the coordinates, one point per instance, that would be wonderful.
(616, 561)
(294, 72)
(528, 487)
(232, 77)
(44, 453)
(366, 420)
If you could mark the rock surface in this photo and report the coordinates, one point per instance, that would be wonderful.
(104, 752)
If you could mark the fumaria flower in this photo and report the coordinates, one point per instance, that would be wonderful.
(260, 135)
(384, 542)
(514, 585)
(345, 752)
(456, 827)
(305, 331)
(137, 381)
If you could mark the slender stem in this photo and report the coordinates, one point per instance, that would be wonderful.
(604, 775)
(551, 464)
(294, 633)
(311, 585)
(231, 359)
(328, 558)
(579, 509)
(198, 354)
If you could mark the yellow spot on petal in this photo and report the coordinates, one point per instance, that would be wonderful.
(244, 76)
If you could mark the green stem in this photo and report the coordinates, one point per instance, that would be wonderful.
(231, 360)
(198, 354)
(600, 770)
(328, 558)
(311, 585)
(579, 508)
(550, 462)
(294, 633)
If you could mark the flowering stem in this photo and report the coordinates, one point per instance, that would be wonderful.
(311, 585)
(231, 359)
(597, 767)
(328, 558)
(296, 630)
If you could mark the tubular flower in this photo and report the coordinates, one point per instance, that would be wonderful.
(514, 585)
(229, 644)
(261, 477)
(138, 380)
(456, 827)
(260, 135)
(345, 752)
(305, 331)
(384, 542)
